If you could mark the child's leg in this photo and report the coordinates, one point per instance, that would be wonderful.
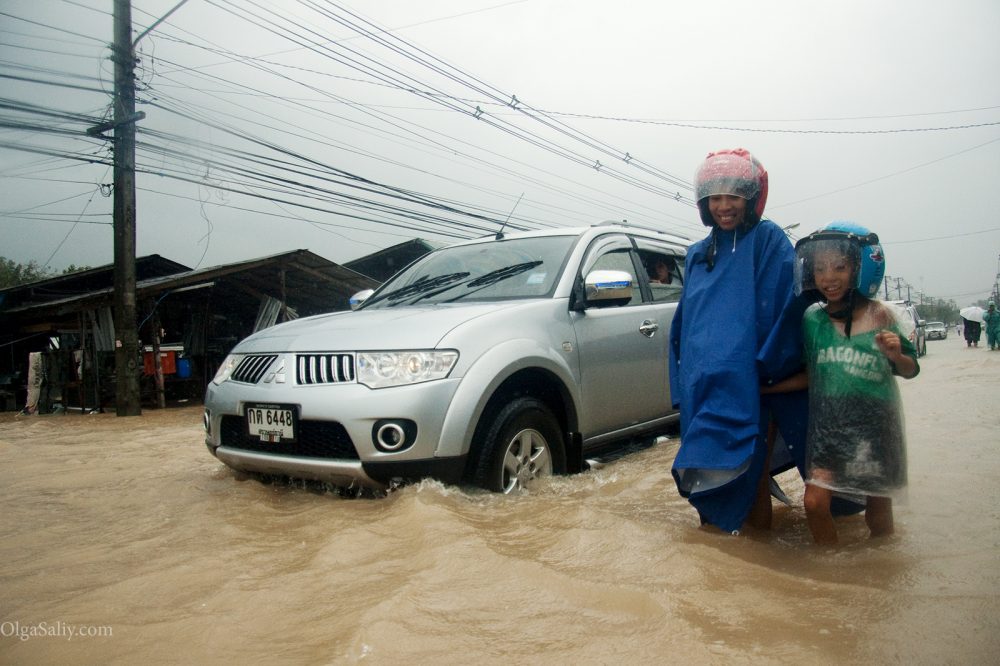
(761, 512)
(878, 516)
(817, 503)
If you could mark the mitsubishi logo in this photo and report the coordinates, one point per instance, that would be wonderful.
(278, 376)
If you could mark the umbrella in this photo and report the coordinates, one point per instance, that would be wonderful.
(972, 313)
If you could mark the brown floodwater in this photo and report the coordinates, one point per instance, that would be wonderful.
(125, 542)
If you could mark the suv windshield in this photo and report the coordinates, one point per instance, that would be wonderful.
(490, 271)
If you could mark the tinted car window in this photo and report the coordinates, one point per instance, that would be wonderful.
(664, 270)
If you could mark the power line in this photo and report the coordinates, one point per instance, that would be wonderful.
(294, 35)
(54, 217)
(889, 175)
(353, 58)
(937, 238)
(701, 125)
(354, 105)
(75, 223)
(52, 27)
(422, 137)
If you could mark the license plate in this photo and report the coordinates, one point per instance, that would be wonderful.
(272, 423)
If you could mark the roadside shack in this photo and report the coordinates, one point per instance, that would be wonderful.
(57, 335)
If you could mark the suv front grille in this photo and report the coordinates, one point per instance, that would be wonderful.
(316, 439)
(253, 367)
(324, 368)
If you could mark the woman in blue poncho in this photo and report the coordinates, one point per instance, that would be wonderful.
(727, 339)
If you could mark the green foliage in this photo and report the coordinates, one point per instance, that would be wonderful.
(936, 309)
(13, 273)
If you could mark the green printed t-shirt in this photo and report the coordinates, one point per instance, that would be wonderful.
(855, 366)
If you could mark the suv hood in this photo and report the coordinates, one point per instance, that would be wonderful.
(387, 328)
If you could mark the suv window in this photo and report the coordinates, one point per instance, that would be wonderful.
(664, 270)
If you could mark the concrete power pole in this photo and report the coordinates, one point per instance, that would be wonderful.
(127, 401)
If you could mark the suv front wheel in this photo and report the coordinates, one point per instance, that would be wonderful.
(522, 444)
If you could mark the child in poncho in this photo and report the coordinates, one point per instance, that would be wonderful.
(854, 346)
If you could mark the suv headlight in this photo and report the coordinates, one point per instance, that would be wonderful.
(227, 367)
(397, 368)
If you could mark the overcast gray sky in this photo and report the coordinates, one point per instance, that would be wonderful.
(344, 128)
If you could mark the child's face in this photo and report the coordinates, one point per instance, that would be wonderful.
(727, 210)
(833, 275)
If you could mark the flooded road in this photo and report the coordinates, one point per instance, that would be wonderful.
(125, 542)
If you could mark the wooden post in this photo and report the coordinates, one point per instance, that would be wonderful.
(81, 377)
(161, 397)
(284, 299)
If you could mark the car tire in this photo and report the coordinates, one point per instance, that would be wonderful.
(523, 443)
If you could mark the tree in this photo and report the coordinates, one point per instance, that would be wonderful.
(13, 273)
(936, 309)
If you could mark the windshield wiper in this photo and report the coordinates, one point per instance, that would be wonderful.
(498, 275)
(421, 286)
(503, 273)
(431, 287)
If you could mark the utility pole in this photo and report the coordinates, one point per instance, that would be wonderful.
(127, 401)
(996, 284)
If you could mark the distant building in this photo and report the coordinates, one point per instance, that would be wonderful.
(192, 317)
(383, 264)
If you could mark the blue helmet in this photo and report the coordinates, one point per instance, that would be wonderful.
(860, 245)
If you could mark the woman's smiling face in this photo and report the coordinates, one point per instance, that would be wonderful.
(727, 210)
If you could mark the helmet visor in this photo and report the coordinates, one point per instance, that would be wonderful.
(821, 256)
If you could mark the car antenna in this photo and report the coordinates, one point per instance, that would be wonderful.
(500, 233)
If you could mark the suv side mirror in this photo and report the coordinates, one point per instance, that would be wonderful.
(921, 322)
(357, 299)
(606, 287)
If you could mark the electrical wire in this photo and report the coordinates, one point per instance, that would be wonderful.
(352, 57)
(522, 177)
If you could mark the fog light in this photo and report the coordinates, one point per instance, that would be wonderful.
(392, 435)
(206, 419)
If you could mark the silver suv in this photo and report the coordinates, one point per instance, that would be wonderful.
(490, 362)
(915, 327)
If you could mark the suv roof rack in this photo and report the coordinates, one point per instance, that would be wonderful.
(626, 223)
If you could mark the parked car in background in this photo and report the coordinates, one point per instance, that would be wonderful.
(936, 330)
(490, 363)
(916, 328)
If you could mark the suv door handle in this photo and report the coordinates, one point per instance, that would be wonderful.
(649, 328)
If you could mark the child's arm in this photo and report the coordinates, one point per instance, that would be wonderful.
(890, 345)
(796, 382)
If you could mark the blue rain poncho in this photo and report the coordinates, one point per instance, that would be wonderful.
(737, 326)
